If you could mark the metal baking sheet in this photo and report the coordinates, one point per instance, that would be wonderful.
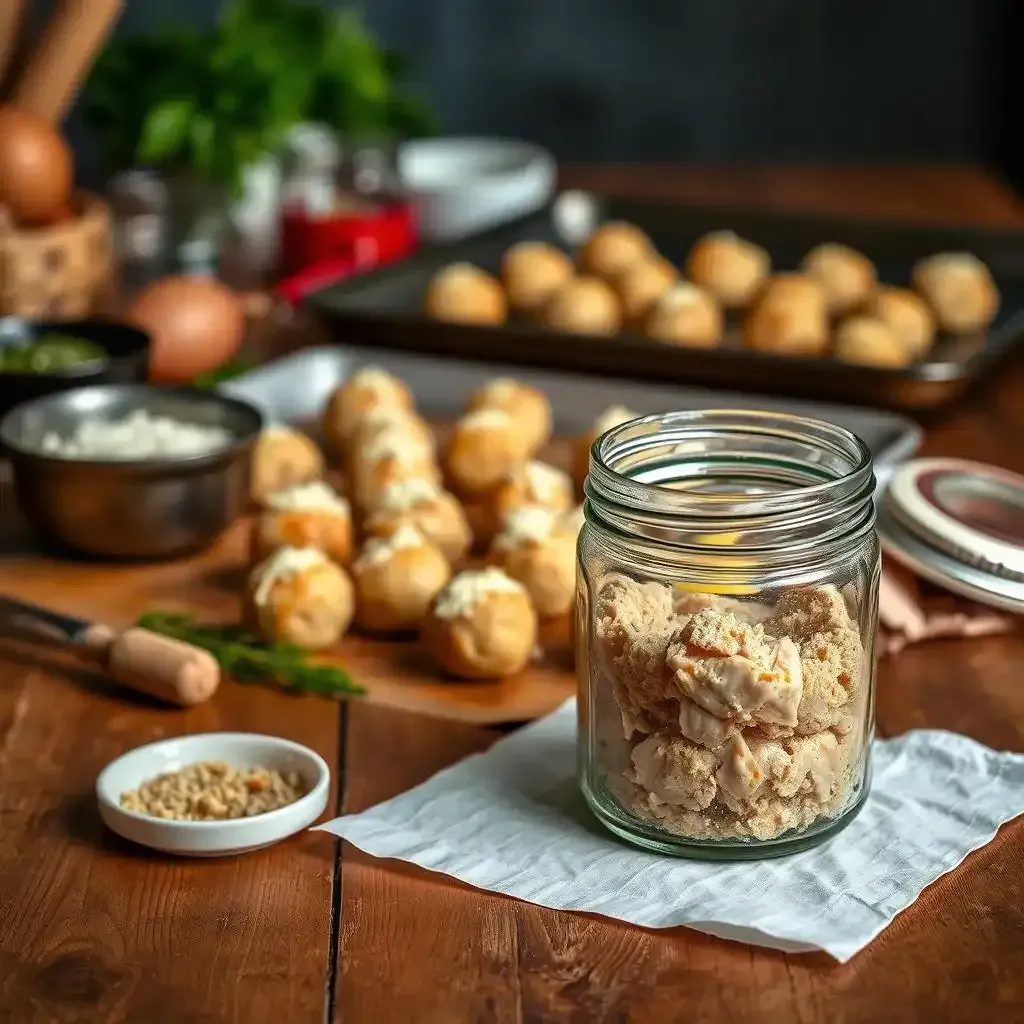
(295, 389)
(384, 307)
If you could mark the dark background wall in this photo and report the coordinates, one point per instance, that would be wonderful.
(710, 80)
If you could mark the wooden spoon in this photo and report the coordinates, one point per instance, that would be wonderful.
(12, 21)
(65, 53)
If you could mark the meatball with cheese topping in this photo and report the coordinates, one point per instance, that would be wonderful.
(481, 626)
(422, 503)
(299, 596)
(282, 458)
(533, 483)
(368, 388)
(310, 515)
(484, 448)
(393, 455)
(396, 578)
(526, 405)
(537, 549)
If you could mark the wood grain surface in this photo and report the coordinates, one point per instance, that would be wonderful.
(93, 929)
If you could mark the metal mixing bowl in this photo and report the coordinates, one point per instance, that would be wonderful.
(134, 510)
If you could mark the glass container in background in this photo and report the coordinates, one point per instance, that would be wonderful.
(728, 591)
(140, 209)
(370, 171)
(342, 211)
(310, 170)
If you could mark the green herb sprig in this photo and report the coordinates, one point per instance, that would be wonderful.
(226, 371)
(213, 101)
(249, 660)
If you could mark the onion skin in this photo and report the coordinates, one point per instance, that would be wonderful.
(196, 324)
(36, 168)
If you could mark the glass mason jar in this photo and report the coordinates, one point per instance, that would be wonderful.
(728, 600)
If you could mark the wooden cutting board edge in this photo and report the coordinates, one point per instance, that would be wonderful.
(394, 672)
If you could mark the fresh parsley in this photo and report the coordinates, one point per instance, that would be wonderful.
(249, 660)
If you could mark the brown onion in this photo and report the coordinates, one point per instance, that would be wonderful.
(196, 324)
(36, 169)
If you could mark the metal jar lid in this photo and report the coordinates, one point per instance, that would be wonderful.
(959, 524)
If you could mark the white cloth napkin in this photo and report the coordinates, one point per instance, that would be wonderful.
(512, 820)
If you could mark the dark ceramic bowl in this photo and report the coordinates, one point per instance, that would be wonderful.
(127, 349)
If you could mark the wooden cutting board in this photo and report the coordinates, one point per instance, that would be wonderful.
(395, 673)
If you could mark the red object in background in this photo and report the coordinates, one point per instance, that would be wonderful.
(295, 288)
(349, 241)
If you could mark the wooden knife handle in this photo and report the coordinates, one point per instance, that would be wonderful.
(167, 669)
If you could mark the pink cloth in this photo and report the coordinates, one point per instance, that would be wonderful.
(911, 610)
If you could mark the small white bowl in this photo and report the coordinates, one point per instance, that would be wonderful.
(213, 838)
(459, 186)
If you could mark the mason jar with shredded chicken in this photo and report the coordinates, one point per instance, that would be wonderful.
(727, 580)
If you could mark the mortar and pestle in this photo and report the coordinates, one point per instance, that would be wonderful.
(55, 250)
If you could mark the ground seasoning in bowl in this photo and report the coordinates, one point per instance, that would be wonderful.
(214, 791)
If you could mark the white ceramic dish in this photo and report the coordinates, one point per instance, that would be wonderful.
(460, 186)
(212, 838)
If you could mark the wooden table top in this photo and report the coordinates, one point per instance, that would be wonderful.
(93, 929)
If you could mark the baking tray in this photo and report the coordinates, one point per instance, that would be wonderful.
(295, 389)
(384, 308)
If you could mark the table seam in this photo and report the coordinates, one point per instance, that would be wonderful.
(334, 938)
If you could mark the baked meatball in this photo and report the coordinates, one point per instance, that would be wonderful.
(368, 388)
(528, 406)
(532, 272)
(847, 277)
(281, 458)
(613, 416)
(299, 596)
(393, 455)
(396, 578)
(484, 448)
(586, 305)
(481, 626)
(959, 289)
(387, 417)
(612, 248)
(436, 513)
(464, 294)
(729, 267)
(306, 516)
(537, 549)
(385, 421)
(789, 318)
(535, 483)
(641, 285)
(870, 342)
(908, 317)
(687, 316)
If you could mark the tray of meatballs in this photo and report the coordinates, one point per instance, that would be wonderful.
(875, 313)
(451, 546)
